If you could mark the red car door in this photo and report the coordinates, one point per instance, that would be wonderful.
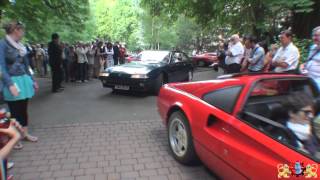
(209, 133)
(245, 157)
(253, 159)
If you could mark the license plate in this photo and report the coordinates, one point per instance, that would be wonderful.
(120, 87)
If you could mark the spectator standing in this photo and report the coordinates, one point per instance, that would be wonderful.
(55, 61)
(116, 53)
(234, 55)
(29, 54)
(312, 65)
(19, 85)
(110, 55)
(40, 56)
(123, 53)
(256, 59)
(81, 52)
(246, 55)
(73, 64)
(268, 58)
(99, 56)
(33, 57)
(223, 48)
(45, 61)
(91, 55)
(287, 57)
(66, 62)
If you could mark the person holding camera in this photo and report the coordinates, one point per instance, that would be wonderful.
(10, 134)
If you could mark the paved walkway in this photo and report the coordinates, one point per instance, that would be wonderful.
(101, 151)
(99, 136)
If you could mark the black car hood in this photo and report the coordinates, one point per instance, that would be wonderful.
(135, 67)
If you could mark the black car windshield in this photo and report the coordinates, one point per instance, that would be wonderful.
(153, 56)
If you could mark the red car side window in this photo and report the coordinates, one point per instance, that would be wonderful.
(224, 99)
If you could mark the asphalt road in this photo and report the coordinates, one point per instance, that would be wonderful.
(89, 102)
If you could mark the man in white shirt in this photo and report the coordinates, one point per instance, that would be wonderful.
(81, 52)
(287, 57)
(234, 55)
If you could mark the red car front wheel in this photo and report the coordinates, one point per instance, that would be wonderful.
(180, 139)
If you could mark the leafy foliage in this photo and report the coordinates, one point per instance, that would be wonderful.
(247, 16)
(70, 19)
(303, 45)
(118, 21)
(159, 24)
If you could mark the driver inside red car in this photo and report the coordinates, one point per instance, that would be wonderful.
(300, 108)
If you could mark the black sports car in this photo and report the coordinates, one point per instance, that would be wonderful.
(150, 72)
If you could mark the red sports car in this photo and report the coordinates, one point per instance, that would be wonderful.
(205, 59)
(132, 57)
(245, 126)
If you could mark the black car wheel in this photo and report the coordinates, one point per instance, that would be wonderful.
(180, 139)
(158, 83)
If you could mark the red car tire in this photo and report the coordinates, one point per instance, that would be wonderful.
(180, 139)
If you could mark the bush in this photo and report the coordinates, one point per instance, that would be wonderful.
(304, 46)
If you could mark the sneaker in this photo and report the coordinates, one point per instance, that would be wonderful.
(10, 165)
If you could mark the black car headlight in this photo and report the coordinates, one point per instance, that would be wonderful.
(104, 74)
(139, 76)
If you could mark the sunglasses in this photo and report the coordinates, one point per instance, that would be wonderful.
(307, 112)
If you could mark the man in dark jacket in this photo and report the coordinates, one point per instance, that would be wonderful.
(116, 54)
(55, 60)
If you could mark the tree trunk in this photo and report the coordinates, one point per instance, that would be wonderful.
(152, 33)
(303, 23)
(257, 16)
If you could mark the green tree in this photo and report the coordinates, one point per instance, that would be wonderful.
(247, 16)
(42, 17)
(118, 21)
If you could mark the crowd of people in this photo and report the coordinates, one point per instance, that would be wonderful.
(18, 63)
(74, 63)
(247, 55)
